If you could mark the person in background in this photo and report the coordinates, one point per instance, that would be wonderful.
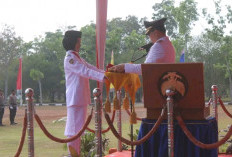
(77, 75)
(12, 107)
(1, 106)
(162, 50)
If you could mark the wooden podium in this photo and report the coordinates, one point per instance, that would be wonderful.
(186, 79)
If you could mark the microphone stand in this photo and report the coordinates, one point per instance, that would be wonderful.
(144, 47)
(132, 61)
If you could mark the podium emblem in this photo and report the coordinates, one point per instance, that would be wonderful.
(174, 81)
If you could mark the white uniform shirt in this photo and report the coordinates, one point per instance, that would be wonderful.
(77, 75)
(162, 51)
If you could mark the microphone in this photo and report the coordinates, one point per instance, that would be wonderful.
(146, 47)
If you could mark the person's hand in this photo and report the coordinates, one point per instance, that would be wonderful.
(118, 68)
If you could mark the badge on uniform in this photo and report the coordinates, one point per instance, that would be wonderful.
(71, 61)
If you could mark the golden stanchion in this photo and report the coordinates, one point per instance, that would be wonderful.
(170, 105)
(215, 101)
(98, 122)
(30, 128)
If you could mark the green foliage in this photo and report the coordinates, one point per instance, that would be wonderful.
(223, 148)
(166, 9)
(135, 137)
(88, 50)
(88, 144)
(123, 37)
(10, 49)
(181, 18)
(36, 74)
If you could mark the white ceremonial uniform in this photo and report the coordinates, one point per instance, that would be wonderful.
(77, 75)
(162, 51)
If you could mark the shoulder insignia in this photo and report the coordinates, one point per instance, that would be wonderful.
(71, 61)
(68, 55)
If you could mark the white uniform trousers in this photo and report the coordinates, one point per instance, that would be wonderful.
(76, 117)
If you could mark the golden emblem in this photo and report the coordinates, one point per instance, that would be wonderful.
(173, 81)
(71, 61)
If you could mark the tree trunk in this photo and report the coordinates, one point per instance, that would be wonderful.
(52, 96)
(40, 92)
(230, 81)
(6, 84)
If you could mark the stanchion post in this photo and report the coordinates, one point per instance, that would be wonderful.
(119, 121)
(98, 122)
(131, 131)
(215, 101)
(30, 127)
(170, 105)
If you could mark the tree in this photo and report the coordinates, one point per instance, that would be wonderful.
(180, 20)
(36, 75)
(166, 9)
(10, 49)
(47, 57)
(205, 50)
(88, 41)
(218, 23)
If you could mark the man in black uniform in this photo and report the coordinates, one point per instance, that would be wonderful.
(12, 107)
(1, 106)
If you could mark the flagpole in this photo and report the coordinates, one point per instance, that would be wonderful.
(19, 81)
(21, 100)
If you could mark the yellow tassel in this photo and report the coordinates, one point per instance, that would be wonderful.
(107, 105)
(133, 119)
(126, 102)
(116, 103)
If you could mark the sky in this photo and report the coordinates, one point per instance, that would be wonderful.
(31, 18)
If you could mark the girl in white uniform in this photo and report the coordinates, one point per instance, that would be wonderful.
(77, 75)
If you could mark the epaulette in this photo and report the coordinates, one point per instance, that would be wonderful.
(68, 55)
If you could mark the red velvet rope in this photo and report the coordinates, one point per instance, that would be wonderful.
(198, 143)
(107, 129)
(58, 139)
(224, 108)
(23, 135)
(129, 113)
(149, 134)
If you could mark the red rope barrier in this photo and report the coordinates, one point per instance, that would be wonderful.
(224, 108)
(149, 134)
(107, 129)
(62, 140)
(129, 113)
(23, 136)
(198, 143)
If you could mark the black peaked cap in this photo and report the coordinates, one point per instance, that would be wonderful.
(152, 25)
(73, 34)
(155, 23)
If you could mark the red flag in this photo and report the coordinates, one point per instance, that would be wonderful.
(101, 9)
(19, 78)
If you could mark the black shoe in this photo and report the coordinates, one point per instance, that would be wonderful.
(13, 123)
(2, 125)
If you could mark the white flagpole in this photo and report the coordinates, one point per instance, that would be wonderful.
(21, 94)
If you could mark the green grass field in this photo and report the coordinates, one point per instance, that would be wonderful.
(44, 147)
